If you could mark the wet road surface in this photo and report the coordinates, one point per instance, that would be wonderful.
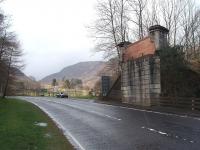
(94, 126)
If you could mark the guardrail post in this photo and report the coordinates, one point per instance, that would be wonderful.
(193, 104)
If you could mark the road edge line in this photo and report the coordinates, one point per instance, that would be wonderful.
(67, 134)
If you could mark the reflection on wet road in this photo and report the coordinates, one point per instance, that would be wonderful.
(94, 126)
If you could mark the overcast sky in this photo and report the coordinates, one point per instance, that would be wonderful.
(53, 33)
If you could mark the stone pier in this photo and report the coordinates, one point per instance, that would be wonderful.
(140, 83)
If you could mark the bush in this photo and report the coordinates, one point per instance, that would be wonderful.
(177, 79)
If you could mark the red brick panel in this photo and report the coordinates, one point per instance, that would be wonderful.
(139, 48)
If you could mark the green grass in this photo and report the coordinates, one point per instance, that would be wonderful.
(19, 132)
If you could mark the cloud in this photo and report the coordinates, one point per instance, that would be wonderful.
(52, 32)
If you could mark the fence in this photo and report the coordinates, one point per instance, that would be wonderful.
(77, 92)
(178, 102)
(70, 92)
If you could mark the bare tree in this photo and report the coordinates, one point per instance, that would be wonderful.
(10, 54)
(151, 14)
(66, 84)
(171, 11)
(167, 10)
(138, 8)
(111, 26)
(129, 20)
(12, 60)
(190, 25)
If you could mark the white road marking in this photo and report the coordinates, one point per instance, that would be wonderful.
(163, 133)
(66, 133)
(150, 111)
(142, 110)
(152, 130)
(113, 117)
(167, 134)
(94, 112)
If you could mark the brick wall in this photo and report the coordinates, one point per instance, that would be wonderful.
(139, 49)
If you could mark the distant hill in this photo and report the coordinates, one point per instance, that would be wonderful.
(21, 84)
(19, 75)
(29, 82)
(86, 71)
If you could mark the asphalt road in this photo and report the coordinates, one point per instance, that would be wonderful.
(94, 126)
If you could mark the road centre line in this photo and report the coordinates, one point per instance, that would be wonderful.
(94, 112)
(155, 112)
(167, 134)
(148, 111)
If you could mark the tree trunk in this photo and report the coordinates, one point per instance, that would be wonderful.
(8, 76)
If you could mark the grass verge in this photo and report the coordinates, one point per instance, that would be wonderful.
(18, 129)
(85, 97)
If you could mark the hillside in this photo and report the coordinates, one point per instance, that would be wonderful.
(86, 71)
(19, 83)
(29, 82)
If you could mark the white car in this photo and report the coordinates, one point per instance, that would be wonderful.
(61, 95)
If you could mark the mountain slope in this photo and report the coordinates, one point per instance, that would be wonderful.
(29, 82)
(83, 70)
